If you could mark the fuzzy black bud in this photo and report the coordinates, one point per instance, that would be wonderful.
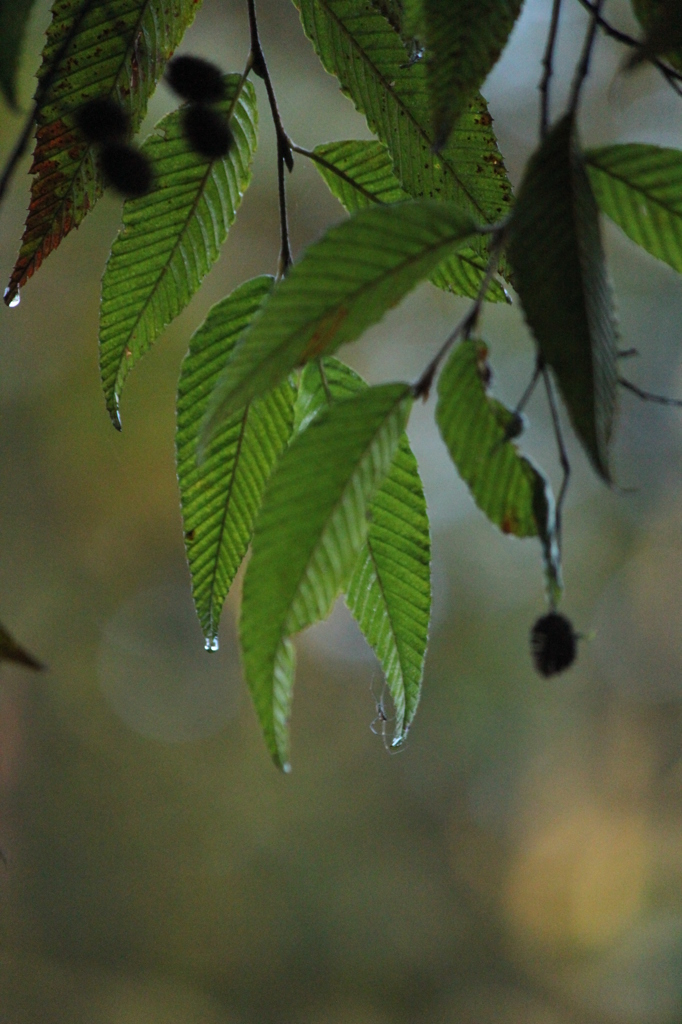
(195, 79)
(102, 120)
(553, 644)
(126, 169)
(207, 131)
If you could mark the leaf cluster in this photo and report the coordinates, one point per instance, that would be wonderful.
(281, 447)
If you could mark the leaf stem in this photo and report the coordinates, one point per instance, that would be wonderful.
(284, 147)
(421, 387)
(583, 68)
(563, 454)
(673, 77)
(548, 66)
(44, 85)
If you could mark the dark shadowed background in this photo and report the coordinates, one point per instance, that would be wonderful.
(520, 862)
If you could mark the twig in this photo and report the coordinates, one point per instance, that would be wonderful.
(44, 86)
(421, 387)
(673, 77)
(648, 396)
(548, 66)
(284, 147)
(583, 67)
(563, 454)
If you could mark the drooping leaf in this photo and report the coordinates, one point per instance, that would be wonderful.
(343, 284)
(389, 593)
(360, 174)
(221, 494)
(358, 45)
(10, 650)
(463, 40)
(311, 528)
(14, 16)
(477, 431)
(640, 188)
(560, 274)
(171, 237)
(119, 50)
(662, 24)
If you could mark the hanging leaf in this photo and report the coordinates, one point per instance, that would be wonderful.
(463, 40)
(477, 431)
(639, 187)
(311, 528)
(361, 174)
(343, 284)
(662, 24)
(171, 237)
(119, 50)
(11, 651)
(221, 494)
(358, 45)
(389, 593)
(14, 17)
(560, 274)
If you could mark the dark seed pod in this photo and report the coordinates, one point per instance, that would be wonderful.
(102, 120)
(126, 169)
(553, 644)
(207, 131)
(195, 79)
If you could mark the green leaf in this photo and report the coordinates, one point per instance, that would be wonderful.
(310, 531)
(463, 40)
(662, 24)
(10, 650)
(171, 237)
(361, 174)
(358, 45)
(556, 251)
(389, 593)
(119, 50)
(14, 17)
(477, 431)
(343, 284)
(640, 188)
(221, 495)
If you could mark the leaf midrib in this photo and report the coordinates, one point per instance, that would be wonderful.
(192, 209)
(375, 281)
(223, 518)
(671, 211)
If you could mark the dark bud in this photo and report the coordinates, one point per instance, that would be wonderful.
(553, 644)
(207, 131)
(126, 169)
(102, 120)
(195, 79)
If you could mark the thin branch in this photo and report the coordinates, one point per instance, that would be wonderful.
(548, 66)
(583, 68)
(44, 86)
(673, 77)
(421, 387)
(648, 396)
(563, 454)
(284, 147)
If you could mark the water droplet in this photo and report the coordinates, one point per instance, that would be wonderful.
(212, 644)
(14, 302)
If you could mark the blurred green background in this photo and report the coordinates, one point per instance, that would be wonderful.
(521, 859)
